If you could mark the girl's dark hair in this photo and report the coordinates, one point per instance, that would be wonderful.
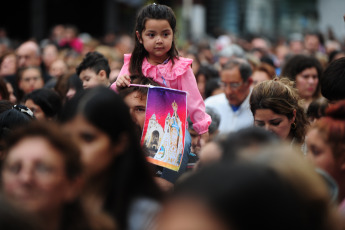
(4, 94)
(49, 101)
(129, 176)
(297, 63)
(152, 11)
(281, 97)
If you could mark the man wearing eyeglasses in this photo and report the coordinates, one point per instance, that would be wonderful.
(233, 104)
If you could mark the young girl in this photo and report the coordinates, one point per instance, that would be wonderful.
(155, 56)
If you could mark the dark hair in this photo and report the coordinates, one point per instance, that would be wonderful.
(317, 108)
(152, 11)
(95, 61)
(47, 99)
(12, 119)
(233, 143)
(128, 176)
(297, 64)
(281, 97)
(139, 80)
(3, 90)
(211, 86)
(243, 66)
(333, 80)
(231, 197)
(5, 105)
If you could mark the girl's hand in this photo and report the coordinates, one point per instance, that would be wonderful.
(123, 81)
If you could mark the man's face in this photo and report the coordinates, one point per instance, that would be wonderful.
(137, 107)
(235, 89)
(27, 56)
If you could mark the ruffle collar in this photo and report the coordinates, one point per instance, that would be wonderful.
(168, 70)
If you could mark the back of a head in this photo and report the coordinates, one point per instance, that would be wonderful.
(279, 202)
(333, 80)
(12, 119)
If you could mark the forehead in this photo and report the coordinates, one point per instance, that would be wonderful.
(135, 99)
(88, 72)
(33, 148)
(231, 75)
(267, 114)
(157, 24)
(31, 72)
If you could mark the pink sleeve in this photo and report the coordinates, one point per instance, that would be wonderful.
(124, 71)
(195, 104)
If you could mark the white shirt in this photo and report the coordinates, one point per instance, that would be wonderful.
(230, 121)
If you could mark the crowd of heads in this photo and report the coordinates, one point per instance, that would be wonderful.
(70, 151)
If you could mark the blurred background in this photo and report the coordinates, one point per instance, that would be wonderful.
(276, 19)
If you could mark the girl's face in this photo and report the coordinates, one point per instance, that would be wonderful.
(157, 38)
(275, 123)
(320, 153)
(36, 109)
(307, 82)
(95, 145)
(34, 176)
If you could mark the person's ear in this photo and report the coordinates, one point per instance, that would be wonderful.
(102, 74)
(249, 81)
(293, 119)
(139, 37)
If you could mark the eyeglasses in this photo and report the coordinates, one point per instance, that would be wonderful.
(233, 85)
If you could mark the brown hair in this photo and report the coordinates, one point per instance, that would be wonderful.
(281, 97)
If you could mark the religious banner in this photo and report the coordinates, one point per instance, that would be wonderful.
(164, 129)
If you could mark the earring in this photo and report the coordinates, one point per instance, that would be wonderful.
(293, 125)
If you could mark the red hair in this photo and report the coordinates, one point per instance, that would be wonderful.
(332, 127)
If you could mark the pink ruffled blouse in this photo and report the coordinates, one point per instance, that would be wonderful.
(178, 76)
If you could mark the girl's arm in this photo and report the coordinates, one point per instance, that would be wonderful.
(195, 104)
(124, 74)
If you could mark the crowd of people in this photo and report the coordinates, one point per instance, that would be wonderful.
(264, 147)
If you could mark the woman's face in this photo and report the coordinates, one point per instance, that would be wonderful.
(259, 76)
(95, 145)
(36, 109)
(320, 153)
(307, 82)
(34, 176)
(275, 123)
